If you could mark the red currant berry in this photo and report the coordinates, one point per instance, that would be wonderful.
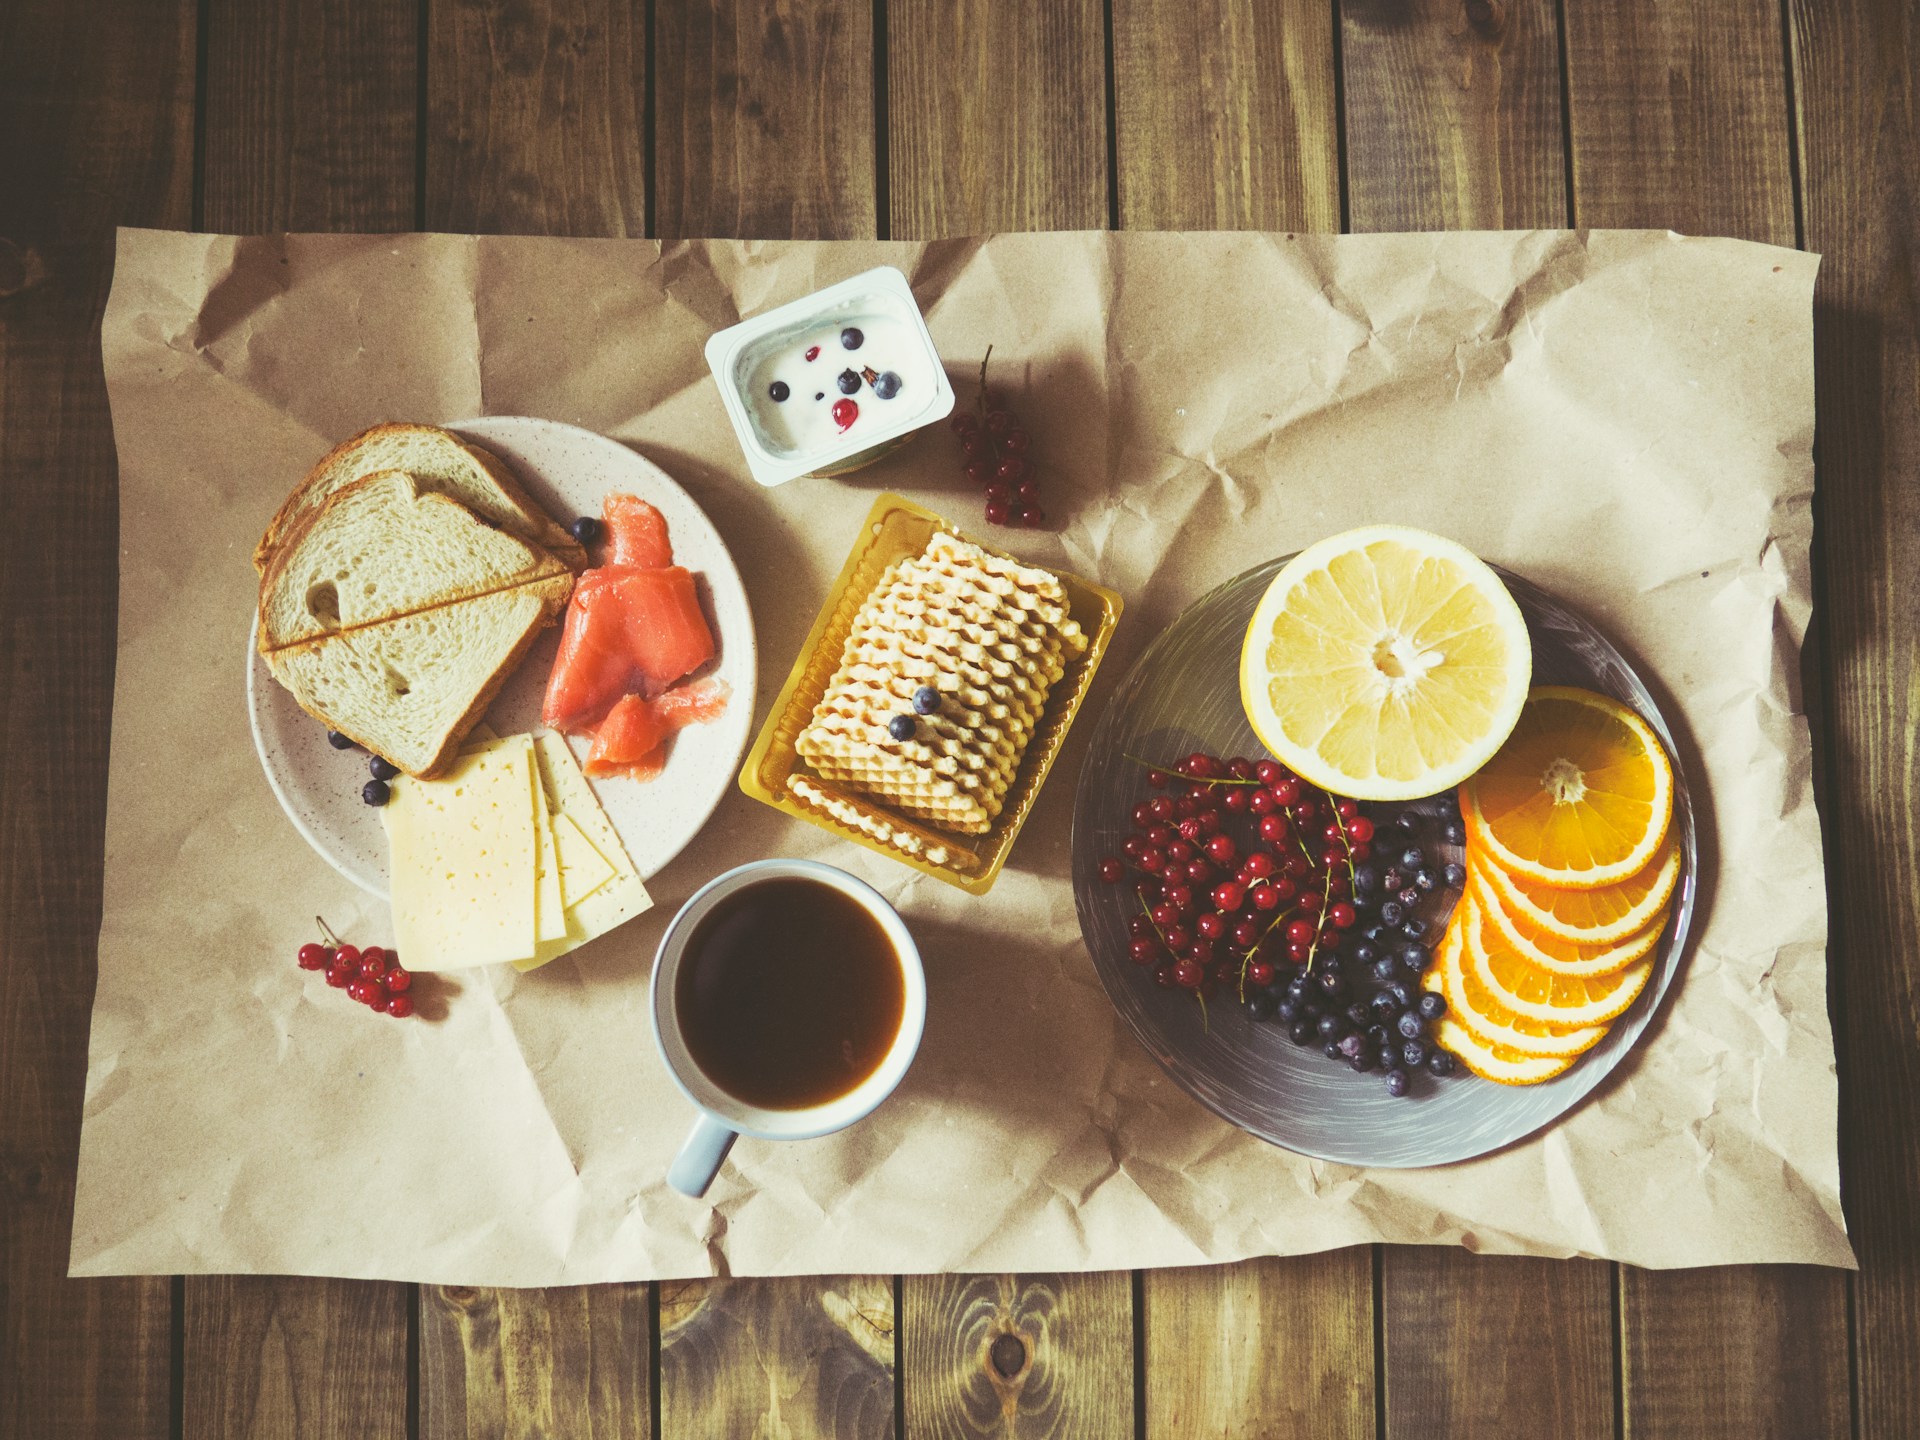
(1240, 768)
(1180, 896)
(1165, 915)
(980, 471)
(1259, 972)
(963, 422)
(1359, 829)
(1179, 852)
(1201, 766)
(1142, 815)
(1209, 822)
(1362, 851)
(373, 963)
(348, 956)
(1188, 974)
(1286, 791)
(1112, 871)
(1029, 515)
(1162, 835)
(1157, 779)
(1246, 934)
(972, 443)
(1259, 865)
(1265, 897)
(999, 422)
(813, 352)
(1011, 469)
(1132, 846)
(1027, 490)
(1015, 441)
(314, 956)
(1144, 952)
(399, 1006)
(1230, 896)
(1269, 772)
(1147, 890)
(1334, 835)
(339, 977)
(1284, 887)
(996, 513)
(1178, 937)
(1211, 924)
(1139, 927)
(1347, 809)
(1190, 828)
(1163, 976)
(1299, 932)
(1221, 850)
(1235, 800)
(1273, 826)
(1343, 915)
(1296, 953)
(1260, 802)
(357, 990)
(998, 494)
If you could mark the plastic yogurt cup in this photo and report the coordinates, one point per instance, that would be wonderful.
(832, 381)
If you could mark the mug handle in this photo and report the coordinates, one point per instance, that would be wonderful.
(701, 1157)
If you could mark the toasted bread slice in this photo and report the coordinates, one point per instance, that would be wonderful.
(441, 461)
(411, 687)
(383, 548)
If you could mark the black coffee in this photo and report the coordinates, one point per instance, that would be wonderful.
(790, 994)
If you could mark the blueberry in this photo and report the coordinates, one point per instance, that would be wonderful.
(381, 768)
(1392, 913)
(1365, 878)
(848, 381)
(1376, 933)
(1412, 858)
(1394, 880)
(1387, 1056)
(1288, 1010)
(1297, 987)
(1415, 1053)
(1385, 1008)
(1454, 833)
(1379, 1035)
(1396, 1081)
(1406, 820)
(1364, 954)
(1402, 996)
(1386, 968)
(1332, 1050)
(1414, 929)
(1415, 957)
(1360, 1061)
(1332, 984)
(778, 391)
(375, 792)
(900, 727)
(851, 338)
(1432, 1006)
(1410, 1025)
(339, 741)
(1311, 1010)
(1301, 1033)
(1357, 1015)
(587, 529)
(1425, 880)
(1332, 1027)
(887, 386)
(1455, 875)
(926, 700)
(1352, 1045)
(1257, 1006)
(1440, 1063)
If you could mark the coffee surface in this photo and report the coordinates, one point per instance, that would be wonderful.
(790, 994)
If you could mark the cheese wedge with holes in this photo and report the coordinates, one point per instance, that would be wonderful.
(618, 898)
(464, 861)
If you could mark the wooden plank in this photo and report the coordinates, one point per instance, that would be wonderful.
(1496, 1345)
(796, 1358)
(1038, 1357)
(311, 115)
(996, 116)
(1224, 115)
(96, 129)
(521, 1364)
(1739, 1351)
(279, 1358)
(1453, 114)
(764, 120)
(1272, 1348)
(535, 117)
(1679, 117)
(1859, 136)
(311, 122)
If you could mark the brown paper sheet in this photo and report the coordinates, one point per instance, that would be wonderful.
(1625, 417)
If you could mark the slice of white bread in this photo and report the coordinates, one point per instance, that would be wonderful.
(382, 548)
(441, 461)
(410, 688)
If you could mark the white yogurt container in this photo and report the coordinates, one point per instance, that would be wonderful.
(832, 381)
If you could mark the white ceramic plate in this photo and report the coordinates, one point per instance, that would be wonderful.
(567, 470)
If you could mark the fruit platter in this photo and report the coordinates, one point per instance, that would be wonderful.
(1377, 956)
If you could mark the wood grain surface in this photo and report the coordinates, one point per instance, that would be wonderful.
(1224, 115)
(96, 130)
(1273, 1349)
(271, 1357)
(764, 120)
(526, 1364)
(1018, 1357)
(1859, 129)
(996, 116)
(536, 117)
(1453, 114)
(802, 1359)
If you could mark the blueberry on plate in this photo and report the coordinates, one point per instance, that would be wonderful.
(381, 768)
(1258, 1006)
(375, 792)
(587, 529)
(1440, 1063)
(1432, 1006)
(1410, 1025)
(1301, 1032)
(1397, 1081)
(1415, 1053)
(339, 741)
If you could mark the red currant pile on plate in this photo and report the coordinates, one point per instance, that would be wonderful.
(998, 454)
(1305, 908)
(372, 976)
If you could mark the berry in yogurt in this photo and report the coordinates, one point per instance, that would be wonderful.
(849, 395)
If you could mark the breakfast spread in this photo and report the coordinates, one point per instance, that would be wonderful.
(941, 682)
(634, 633)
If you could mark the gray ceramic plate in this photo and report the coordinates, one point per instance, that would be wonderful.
(1182, 696)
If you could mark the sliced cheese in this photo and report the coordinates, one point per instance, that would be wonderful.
(619, 897)
(463, 862)
(583, 869)
(550, 907)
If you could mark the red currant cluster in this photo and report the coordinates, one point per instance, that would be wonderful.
(372, 976)
(998, 460)
(1216, 910)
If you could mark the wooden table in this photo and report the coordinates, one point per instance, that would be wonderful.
(1792, 123)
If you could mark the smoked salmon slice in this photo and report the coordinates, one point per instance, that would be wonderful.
(631, 739)
(634, 628)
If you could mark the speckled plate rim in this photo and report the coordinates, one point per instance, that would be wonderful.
(1572, 1088)
(739, 663)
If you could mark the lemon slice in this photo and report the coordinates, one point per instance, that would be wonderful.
(1385, 664)
(1492, 1024)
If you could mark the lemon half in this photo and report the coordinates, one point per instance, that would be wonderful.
(1385, 663)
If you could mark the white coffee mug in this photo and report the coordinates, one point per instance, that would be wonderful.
(724, 1118)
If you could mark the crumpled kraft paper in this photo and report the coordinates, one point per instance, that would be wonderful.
(1624, 417)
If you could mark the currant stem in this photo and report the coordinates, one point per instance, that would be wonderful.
(326, 930)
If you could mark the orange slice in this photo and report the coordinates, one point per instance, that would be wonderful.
(1496, 1062)
(1561, 957)
(1385, 663)
(1578, 797)
(1566, 1001)
(1490, 1022)
(1586, 917)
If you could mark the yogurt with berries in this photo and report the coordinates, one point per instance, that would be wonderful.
(832, 381)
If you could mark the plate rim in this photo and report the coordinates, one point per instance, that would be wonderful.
(474, 428)
(1673, 952)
